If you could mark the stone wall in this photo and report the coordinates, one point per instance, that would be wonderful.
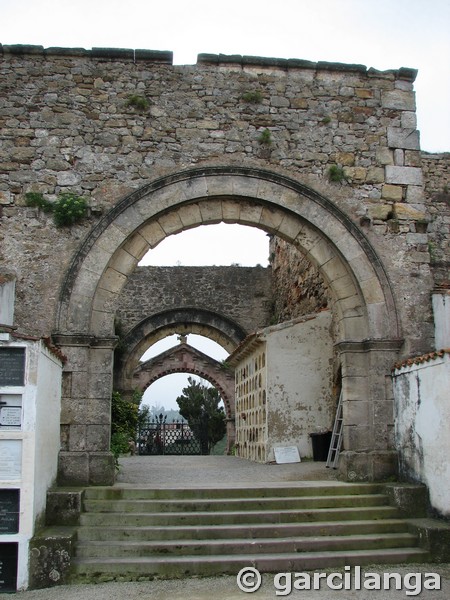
(323, 155)
(242, 294)
(71, 122)
(436, 172)
(298, 287)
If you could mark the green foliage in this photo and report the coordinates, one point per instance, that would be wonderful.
(326, 120)
(37, 199)
(69, 209)
(124, 422)
(138, 102)
(199, 405)
(254, 97)
(336, 174)
(265, 138)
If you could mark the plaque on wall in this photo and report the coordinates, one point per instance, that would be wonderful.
(10, 460)
(8, 567)
(9, 511)
(12, 366)
(11, 416)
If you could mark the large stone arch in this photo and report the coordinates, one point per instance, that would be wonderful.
(155, 327)
(368, 328)
(263, 199)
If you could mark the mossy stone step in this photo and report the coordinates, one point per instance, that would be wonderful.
(183, 566)
(239, 546)
(110, 519)
(234, 504)
(255, 530)
(267, 490)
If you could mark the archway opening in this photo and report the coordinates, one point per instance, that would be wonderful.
(366, 320)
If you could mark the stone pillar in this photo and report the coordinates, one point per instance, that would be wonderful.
(368, 411)
(231, 434)
(85, 457)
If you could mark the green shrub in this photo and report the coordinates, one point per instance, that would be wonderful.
(254, 97)
(69, 209)
(336, 174)
(138, 102)
(265, 138)
(37, 199)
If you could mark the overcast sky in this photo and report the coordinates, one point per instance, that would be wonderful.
(384, 34)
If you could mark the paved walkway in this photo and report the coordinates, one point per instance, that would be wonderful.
(195, 471)
(207, 471)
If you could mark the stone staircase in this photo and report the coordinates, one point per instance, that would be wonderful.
(139, 533)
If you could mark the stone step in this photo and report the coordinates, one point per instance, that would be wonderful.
(114, 519)
(267, 490)
(251, 547)
(247, 532)
(184, 566)
(234, 504)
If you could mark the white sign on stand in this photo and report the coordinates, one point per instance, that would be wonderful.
(286, 454)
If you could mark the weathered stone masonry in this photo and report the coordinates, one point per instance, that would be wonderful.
(242, 293)
(196, 156)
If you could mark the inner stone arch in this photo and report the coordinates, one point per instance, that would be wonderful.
(177, 321)
(184, 358)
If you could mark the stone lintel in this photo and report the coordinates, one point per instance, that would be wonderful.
(370, 345)
(81, 339)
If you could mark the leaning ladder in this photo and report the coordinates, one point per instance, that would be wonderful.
(336, 437)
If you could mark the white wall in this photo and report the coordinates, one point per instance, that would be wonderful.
(441, 310)
(39, 439)
(299, 382)
(422, 426)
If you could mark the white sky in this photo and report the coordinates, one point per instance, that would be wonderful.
(384, 34)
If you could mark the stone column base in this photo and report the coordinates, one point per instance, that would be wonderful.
(86, 468)
(377, 465)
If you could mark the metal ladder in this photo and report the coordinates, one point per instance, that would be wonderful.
(336, 437)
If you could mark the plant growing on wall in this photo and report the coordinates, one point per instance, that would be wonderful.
(138, 102)
(254, 97)
(67, 210)
(265, 138)
(36, 199)
(336, 174)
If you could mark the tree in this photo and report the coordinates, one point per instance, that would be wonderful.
(199, 405)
